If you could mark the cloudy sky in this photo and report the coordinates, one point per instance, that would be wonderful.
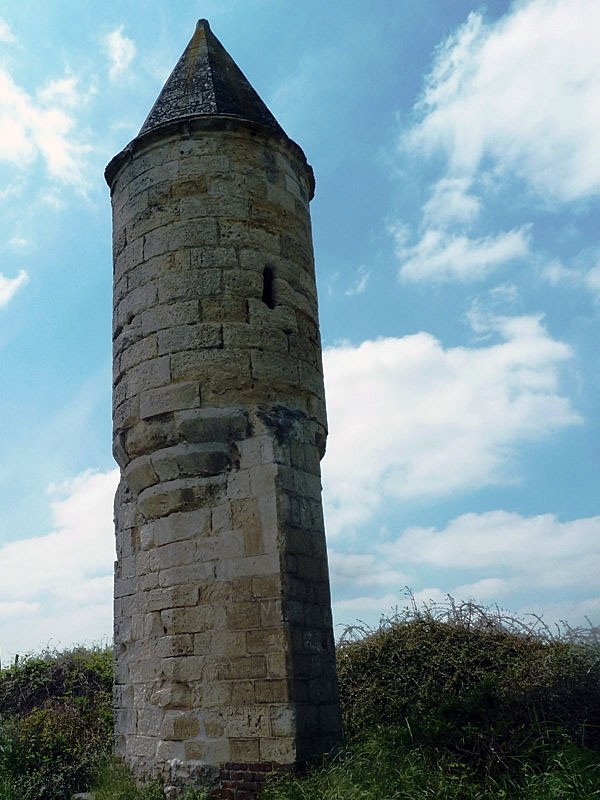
(456, 232)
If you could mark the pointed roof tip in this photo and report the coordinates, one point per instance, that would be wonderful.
(206, 81)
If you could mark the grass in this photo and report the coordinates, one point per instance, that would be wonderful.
(386, 765)
(452, 702)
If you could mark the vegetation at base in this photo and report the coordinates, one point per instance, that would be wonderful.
(452, 702)
(55, 723)
(115, 782)
(459, 701)
(385, 764)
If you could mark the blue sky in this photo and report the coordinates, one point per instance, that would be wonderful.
(455, 147)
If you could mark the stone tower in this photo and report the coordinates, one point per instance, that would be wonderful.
(223, 636)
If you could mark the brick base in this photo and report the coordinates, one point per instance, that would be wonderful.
(235, 781)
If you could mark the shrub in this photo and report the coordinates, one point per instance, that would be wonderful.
(472, 682)
(55, 721)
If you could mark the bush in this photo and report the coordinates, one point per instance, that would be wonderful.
(472, 682)
(55, 721)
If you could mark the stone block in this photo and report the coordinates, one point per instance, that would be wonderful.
(242, 335)
(180, 235)
(164, 399)
(180, 725)
(221, 517)
(212, 425)
(202, 643)
(190, 337)
(272, 691)
(268, 640)
(144, 746)
(151, 434)
(243, 282)
(247, 721)
(170, 597)
(281, 750)
(131, 256)
(136, 301)
(242, 668)
(168, 315)
(243, 616)
(184, 669)
(231, 544)
(169, 751)
(242, 693)
(227, 643)
(179, 526)
(245, 750)
(198, 571)
(274, 368)
(283, 721)
(140, 474)
(249, 566)
(206, 258)
(281, 317)
(238, 484)
(149, 219)
(264, 478)
(153, 174)
(176, 554)
(142, 350)
(217, 694)
(268, 586)
(225, 308)
(187, 460)
(173, 695)
(188, 620)
(149, 721)
(211, 367)
(209, 206)
(212, 752)
(271, 613)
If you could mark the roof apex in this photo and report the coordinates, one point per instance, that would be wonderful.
(206, 81)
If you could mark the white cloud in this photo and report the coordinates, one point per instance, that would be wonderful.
(511, 555)
(441, 256)
(410, 419)
(65, 574)
(489, 309)
(61, 91)
(9, 286)
(536, 564)
(360, 284)
(351, 609)
(363, 569)
(121, 51)
(587, 278)
(450, 202)
(521, 92)
(41, 127)
(17, 242)
(555, 552)
(6, 35)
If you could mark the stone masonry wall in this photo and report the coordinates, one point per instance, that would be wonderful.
(223, 637)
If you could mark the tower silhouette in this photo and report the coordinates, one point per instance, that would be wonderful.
(224, 652)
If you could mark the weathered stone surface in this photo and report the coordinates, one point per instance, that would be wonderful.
(223, 638)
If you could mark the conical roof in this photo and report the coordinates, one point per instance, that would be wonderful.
(206, 81)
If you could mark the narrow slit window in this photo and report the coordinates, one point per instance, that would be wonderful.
(267, 295)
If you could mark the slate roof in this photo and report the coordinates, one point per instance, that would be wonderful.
(207, 82)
